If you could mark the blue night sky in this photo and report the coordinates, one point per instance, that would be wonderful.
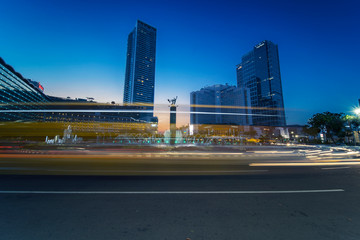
(78, 48)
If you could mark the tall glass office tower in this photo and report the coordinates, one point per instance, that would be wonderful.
(259, 71)
(140, 65)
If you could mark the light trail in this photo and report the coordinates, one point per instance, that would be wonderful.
(116, 155)
(301, 164)
(131, 171)
(174, 192)
(95, 104)
(125, 111)
(333, 168)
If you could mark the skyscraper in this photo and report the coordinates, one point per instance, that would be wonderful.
(140, 65)
(259, 71)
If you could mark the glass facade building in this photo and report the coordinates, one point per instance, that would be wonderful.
(217, 100)
(18, 93)
(23, 99)
(140, 65)
(259, 72)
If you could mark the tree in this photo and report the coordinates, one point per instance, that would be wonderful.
(311, 131)
(332, 124)
(353, 125)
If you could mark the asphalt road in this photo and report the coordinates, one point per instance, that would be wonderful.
(283, 203)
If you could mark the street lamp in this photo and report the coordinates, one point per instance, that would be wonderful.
(357, 111)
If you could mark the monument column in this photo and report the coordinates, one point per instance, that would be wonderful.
(172, 120)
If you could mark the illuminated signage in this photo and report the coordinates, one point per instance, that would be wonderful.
(41, 87)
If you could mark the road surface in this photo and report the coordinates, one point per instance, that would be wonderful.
(309, 202)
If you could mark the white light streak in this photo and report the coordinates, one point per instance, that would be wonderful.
(173, 192)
